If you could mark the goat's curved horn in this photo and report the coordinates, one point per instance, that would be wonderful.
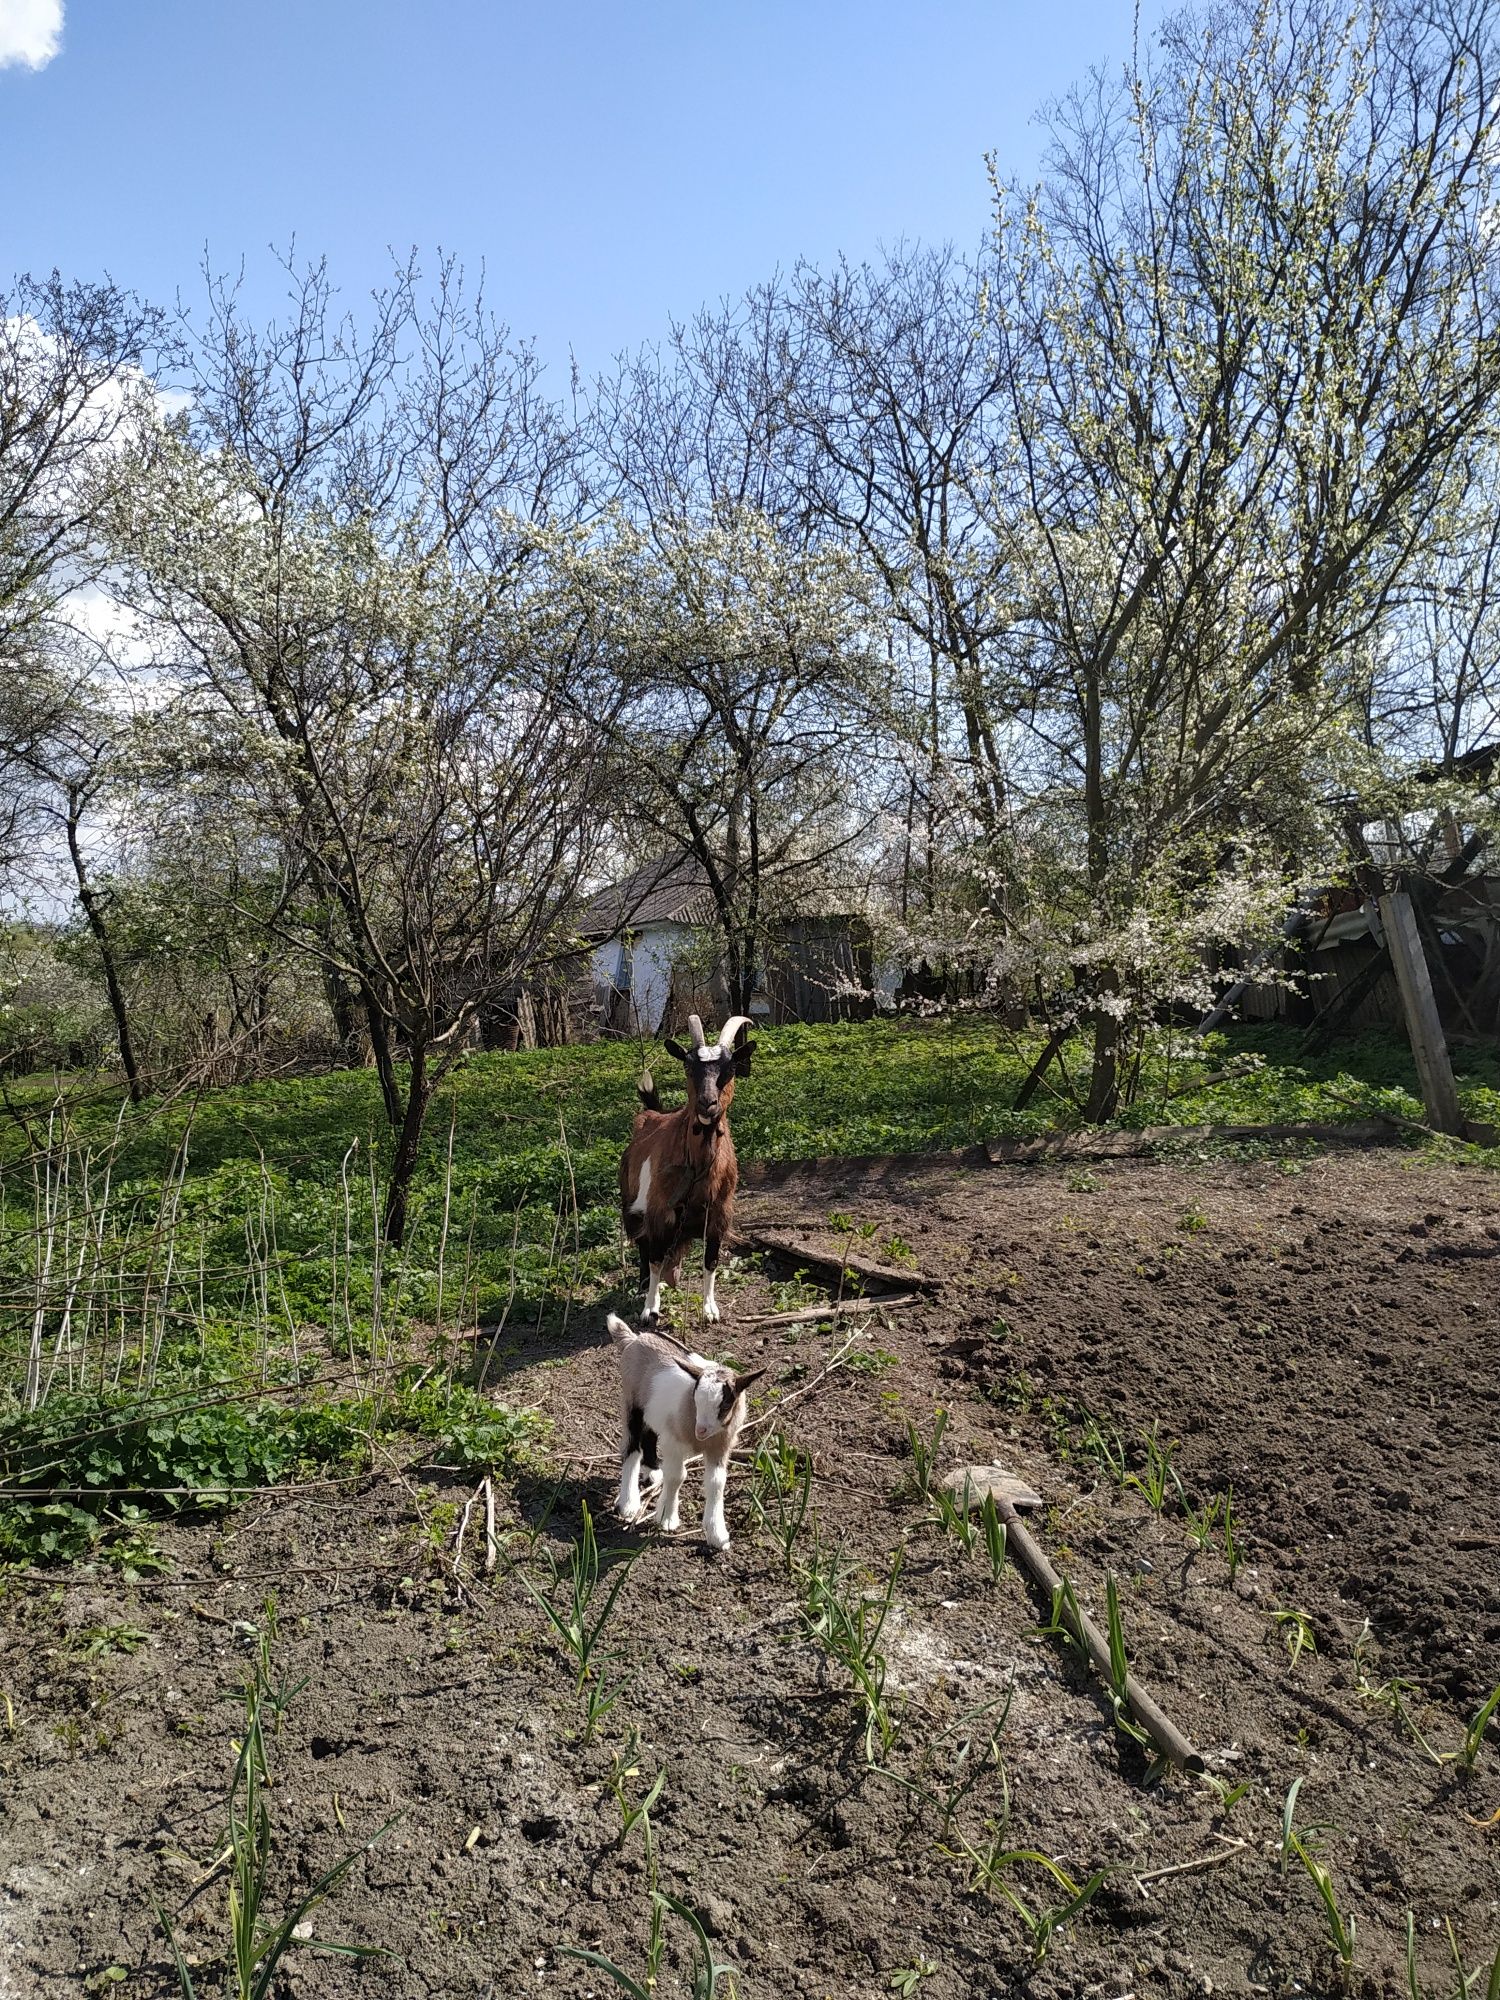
(695, 1031)
(730, 1032)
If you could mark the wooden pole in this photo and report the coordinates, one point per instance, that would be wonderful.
(1429, 1046)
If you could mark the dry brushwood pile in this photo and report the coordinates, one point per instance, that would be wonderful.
(859, 1754)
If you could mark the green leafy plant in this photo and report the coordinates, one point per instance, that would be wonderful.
(633, 1812)
(1467, 1981)
(1153, 1481)
(975, 1752)
(1468, 1752)
(1341, 1927)
(1119, 1666)
(846, 1621)
(993, 1530)
(993, 1869)
(907, 1978)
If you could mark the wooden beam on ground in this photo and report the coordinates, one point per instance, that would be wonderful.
(1102, 1145)
(1424, 1029)
(835, 1265)
(969, 1485)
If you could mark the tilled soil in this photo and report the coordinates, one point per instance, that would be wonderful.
(1321, 1336)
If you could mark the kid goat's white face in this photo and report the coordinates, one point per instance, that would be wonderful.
(710, 1410)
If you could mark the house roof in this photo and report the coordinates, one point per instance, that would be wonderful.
(665, 891)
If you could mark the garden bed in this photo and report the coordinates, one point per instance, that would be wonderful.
(1321, 1336)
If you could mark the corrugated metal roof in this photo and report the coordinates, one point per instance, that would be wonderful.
(667, 891)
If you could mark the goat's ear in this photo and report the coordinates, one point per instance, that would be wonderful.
(749, 1379)
(676, 1049)
(742, 1057)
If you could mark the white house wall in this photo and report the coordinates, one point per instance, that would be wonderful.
(648, 964)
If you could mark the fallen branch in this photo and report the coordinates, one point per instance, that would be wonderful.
(1225, 1853)
(1397, 1118)
(837, 1266)
(833, 1308)
(771, 1415)
(491, 1547)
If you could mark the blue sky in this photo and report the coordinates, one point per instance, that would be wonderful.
(610, 166)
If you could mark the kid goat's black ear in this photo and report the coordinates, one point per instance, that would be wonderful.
(742, 1057)
(676, 1049)
(748, 1380)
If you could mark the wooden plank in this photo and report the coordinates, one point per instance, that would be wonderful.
(1103, 1145)
(1424, 1029)
(834, 1264)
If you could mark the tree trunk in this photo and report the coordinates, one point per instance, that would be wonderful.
(95, 918)
(418, 1096)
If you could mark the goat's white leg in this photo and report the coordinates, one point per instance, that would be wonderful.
(628, 1504)
(653, 1292)
(710, 1306)
(673, 1465)
(715, 1528)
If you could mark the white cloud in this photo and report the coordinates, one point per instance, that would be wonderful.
(30, 31)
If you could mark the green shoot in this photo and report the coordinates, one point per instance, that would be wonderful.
(1296, 1632)
(953, 1517)
(994, 1536)
(907, 1978)
(258, 1944)
(706, 1973)
(1468, 1750)
(1159, 1470)
(779, 1492)
(847, 1622)
(635, 1813)
(1228, 1795)
(1119, 1666)
(578, 1624)
(924, 1452)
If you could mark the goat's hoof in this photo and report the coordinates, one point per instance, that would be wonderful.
(711, 1310)
(669, 1527)
(717, 1543)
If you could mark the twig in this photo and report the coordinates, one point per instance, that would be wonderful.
(1224, 1853)
(771, 1416)
(458, 1545)
(833, 1308)
(491, 1550)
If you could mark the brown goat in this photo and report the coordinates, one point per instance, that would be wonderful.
(678, 1174)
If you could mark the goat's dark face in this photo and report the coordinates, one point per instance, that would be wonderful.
(710, 1082)
(712, 1067)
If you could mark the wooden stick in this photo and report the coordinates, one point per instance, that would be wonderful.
(1225, 1853)
(458, 1542)
(491, 1547)
(833, 1307)
(1163, 1732)
(770, 1416)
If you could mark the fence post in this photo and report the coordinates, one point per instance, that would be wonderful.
(1429, 1047)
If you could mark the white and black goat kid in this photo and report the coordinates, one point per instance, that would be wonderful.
(675, 1405)
(679, 1173)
